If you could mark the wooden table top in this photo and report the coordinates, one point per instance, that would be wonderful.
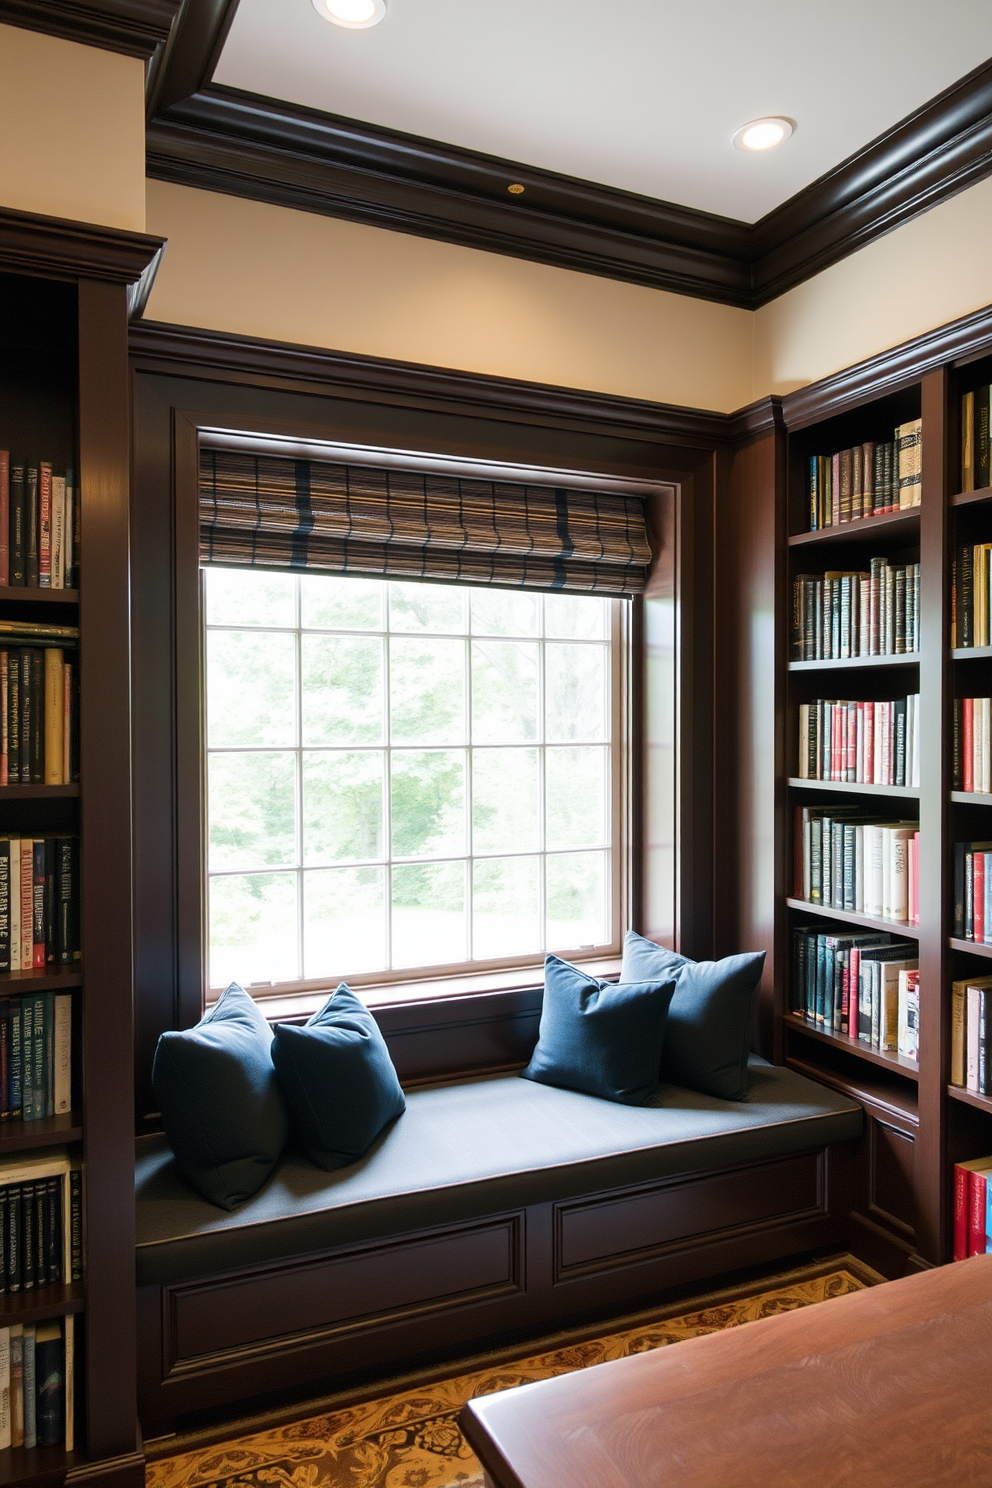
(885, 1388)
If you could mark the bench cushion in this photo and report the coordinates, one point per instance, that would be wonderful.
(477, 1147)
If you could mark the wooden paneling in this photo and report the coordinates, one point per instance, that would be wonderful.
(638, 1225)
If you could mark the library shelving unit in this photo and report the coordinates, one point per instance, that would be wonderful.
(917, 1125)
(65, 290)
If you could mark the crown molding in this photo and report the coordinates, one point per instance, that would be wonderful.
(135, 27)
(243, 144)
(55, 247)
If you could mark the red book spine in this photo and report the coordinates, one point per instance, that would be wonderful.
(838, 768)
(4, 517)
(978, 891)
(976, 1227)
(850, 1009)
(968, 743)
(961, 1212)
(852, 739)
(45, 525)
(869, 743)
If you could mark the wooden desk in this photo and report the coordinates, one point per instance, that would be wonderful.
(886, 1388)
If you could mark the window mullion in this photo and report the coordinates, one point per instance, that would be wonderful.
(387, 814)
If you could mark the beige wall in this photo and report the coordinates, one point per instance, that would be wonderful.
(235, 265)
(935, 269)
(72, 130)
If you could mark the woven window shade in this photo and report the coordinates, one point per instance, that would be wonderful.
(269, 512)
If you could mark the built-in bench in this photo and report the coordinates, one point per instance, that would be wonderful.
(493, 1207)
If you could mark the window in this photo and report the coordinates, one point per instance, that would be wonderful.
(404, 778)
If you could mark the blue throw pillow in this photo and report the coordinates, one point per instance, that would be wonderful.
(710, 1022)
(338, 1080)
(220, 1101)
(600, 1037)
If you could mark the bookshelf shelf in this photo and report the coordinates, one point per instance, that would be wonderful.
(971, 798)
(908, 792)
(983, 496)
(849, 917)
(866, 1082)
(858, 663)
(906, 1067)
(970, 1098)
(23, 1136)
(973, 947)
(19, 595)
(38, 792)
(900, 523)
(50, 978)
(972, 653)
(45, 1302)
(35, 1467)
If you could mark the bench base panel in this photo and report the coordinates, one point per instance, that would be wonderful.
(323, 1322)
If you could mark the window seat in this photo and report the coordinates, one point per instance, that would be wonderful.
(494, 1204)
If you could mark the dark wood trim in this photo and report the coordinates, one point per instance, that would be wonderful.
(244, 144)
(159, 347)
(135, 27)
(55, 247)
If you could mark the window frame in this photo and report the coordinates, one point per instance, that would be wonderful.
(381, 987)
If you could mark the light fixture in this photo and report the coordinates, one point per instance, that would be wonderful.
(356, 15)
(762, 134)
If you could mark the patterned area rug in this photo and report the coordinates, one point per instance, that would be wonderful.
(412, 1440)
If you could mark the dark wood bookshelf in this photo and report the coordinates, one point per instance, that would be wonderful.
(907, 1067)
(983, 496)
(17, 595)
(972, 653)
(850, 917)
(867, 1082)
(35, 1467)
(41, 1303)
(973, 947)
(849, 787)
(970, 1098)
(41, 979)
(857, 663)
(38, 792)
(899, 523)
(23, 1136)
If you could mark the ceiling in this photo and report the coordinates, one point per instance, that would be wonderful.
(647, 104)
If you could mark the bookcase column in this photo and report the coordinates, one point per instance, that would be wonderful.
(932, 1182)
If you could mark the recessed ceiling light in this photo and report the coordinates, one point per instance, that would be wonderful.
(516, 189)
(356, 15)
(762, 134)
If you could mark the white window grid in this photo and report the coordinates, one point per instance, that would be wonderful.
(611, 845)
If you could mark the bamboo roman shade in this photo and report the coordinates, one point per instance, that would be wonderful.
(267, 511)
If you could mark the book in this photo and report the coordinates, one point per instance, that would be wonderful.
(963, 1204)
(30, 1387)
(50, 1384)
(31, 527)
(968, 442)
(5, 1417)
(58, 532)
(17, 528)
(44, 525)
(871, 478)
(54, 768)
(4, 518)
(16, 1385)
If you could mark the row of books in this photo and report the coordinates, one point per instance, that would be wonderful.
(843, 860)
(862, 985)
(971, 595)
(36, 1056)
(976, 449)
(39, 902)
(867, 480)
(971, 1035)
(972, 1208)
(854, 613)
(861, 743)
(39, 717)
(971, 745)
(37, 1396)
(33, 1248)
(973, 891)
(39, 525)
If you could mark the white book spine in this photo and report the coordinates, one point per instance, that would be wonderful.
(886, 886)
(58, 531)
(972, 1036)
(804, 741)
(859, 869)
(900, 874)
(62, 1054)
(888, 1030)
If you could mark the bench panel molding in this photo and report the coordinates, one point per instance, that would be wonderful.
(631, 1226)
(303, 1303)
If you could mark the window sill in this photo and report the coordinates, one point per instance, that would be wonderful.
(294, 1007)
